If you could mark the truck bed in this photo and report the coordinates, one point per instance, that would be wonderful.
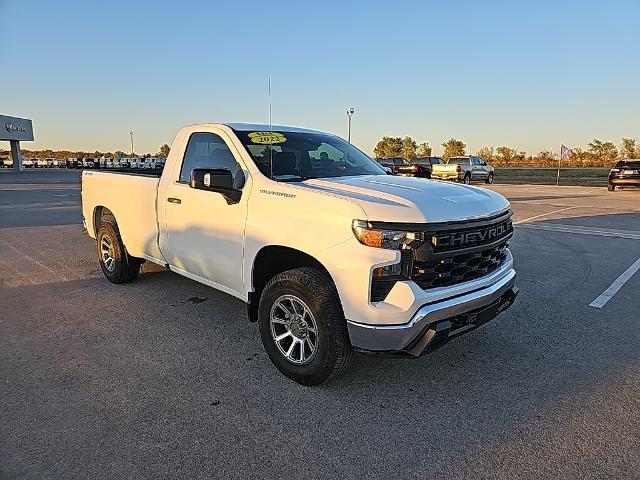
(131, 197)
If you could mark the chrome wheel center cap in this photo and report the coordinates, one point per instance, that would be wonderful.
(298, 327)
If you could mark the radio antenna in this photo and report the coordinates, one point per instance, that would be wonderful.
(269, 97)
(270, 129)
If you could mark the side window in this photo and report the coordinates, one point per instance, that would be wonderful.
(474, 161)
(208, 150)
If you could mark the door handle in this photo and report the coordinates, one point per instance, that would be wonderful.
(177, 201)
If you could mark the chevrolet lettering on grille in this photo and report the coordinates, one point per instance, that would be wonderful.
(473, 237)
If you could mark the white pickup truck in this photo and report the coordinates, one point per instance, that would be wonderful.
(330, 254)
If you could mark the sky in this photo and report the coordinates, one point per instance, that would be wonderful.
(527, 74)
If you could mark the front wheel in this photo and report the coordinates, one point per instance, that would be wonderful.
(302, 326)
(116, 264)
(611, 188)
(489, 178)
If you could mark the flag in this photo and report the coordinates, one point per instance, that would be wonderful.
(565, 153)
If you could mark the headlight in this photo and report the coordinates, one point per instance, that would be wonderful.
(390, 239)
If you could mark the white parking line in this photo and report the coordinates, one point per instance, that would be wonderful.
(543, 215)
(616, 285)
(578, 229)
(32, 259)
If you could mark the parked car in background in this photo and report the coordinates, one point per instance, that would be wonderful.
(625, 173)
(136, 162)
(419, 167)
(71, 162)
(42, 163)
(88, 163)
(6, 162)
(464, 169)
(393, 163)
(27, 163)
(151, 163)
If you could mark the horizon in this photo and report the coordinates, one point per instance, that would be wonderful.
(531, 77)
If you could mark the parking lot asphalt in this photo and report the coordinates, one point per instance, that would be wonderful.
(147, 380)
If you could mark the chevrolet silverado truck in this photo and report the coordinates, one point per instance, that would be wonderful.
(329, 253)
(464, 169)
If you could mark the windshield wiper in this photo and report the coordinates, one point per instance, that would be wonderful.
(293, 178)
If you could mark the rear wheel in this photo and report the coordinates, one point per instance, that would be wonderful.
(611, 188)
(302, 326)
(489, 178)
(116, 264)
(467, 179)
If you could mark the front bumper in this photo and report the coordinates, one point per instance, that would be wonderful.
(435, 324)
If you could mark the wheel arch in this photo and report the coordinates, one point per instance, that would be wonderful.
(272, 260)
(102, 214)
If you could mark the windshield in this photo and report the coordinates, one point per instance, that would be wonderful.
(296, 156)
(459, 160)
(628, 164)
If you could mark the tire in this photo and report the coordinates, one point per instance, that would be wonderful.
(611, 188)
(116, 264)
(489, 178)
(295, 290)
(467, 179)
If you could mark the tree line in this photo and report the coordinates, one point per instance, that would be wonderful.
(64, 154)
(599, 153)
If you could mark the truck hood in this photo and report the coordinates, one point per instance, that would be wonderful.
(412, 200)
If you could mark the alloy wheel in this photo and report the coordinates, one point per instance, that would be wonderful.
(107, 254)
(294, 329)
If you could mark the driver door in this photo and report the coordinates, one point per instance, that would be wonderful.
(204, 235)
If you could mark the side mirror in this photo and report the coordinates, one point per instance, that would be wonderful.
(216, 180)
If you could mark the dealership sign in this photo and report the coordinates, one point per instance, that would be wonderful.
(14, 128)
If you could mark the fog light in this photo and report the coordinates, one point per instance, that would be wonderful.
(386, 271)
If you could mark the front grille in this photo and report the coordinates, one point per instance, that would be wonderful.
(458, 268)
(470, 236)
(451, 253)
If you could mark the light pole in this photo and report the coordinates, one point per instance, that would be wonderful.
(131, 134)
(350, 111)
